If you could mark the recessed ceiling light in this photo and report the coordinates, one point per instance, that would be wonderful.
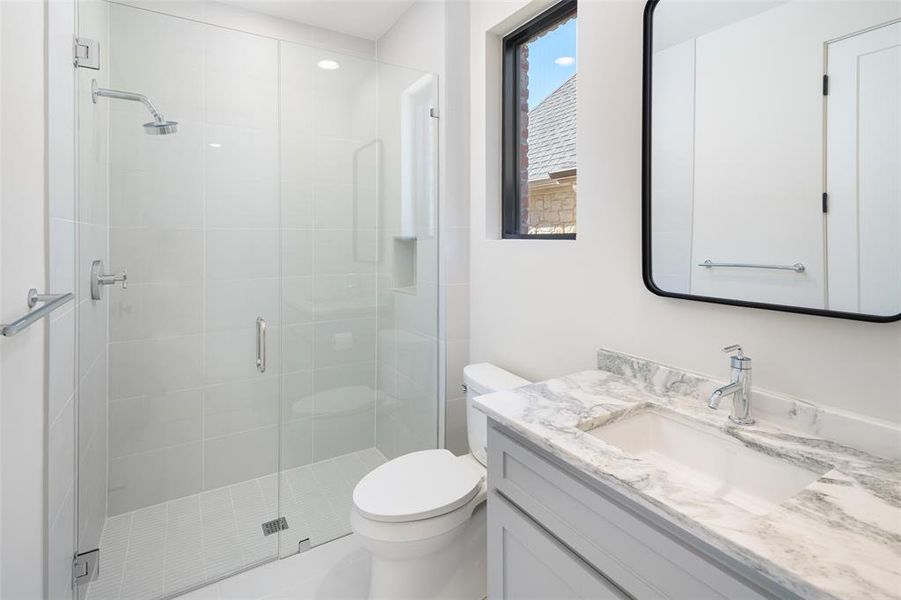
(327, 65)
(565, 61)
(215, 145)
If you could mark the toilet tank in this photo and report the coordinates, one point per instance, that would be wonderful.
(481, 379)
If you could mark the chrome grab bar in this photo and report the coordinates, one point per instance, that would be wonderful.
(797, 267)
(261, 344)
(52, 302)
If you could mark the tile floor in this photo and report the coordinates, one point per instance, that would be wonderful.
(338, 570)
(159, 550)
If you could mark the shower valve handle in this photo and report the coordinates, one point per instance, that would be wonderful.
(100, 279)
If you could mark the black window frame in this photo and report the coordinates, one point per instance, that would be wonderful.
(510, 188)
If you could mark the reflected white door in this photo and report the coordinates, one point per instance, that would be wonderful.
(863, 172)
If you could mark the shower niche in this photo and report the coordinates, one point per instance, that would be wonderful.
(405, 264)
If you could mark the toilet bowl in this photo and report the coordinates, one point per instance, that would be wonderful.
(422, 515)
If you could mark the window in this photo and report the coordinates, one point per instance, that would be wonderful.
(539, 127)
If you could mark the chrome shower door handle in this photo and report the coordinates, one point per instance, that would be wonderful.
(261, 344)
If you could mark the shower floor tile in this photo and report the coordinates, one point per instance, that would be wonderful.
(159, 550)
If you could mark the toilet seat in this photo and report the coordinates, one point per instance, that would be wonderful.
(416, 486)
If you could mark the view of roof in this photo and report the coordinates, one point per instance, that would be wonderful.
(552, 132)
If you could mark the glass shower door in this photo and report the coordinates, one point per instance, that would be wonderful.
(179, 390)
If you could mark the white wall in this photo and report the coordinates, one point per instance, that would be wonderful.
(542, 308)
(430, 36)
(22, 266)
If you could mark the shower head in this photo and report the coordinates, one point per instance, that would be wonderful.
(159, 125)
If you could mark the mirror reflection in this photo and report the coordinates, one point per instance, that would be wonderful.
(776, 153)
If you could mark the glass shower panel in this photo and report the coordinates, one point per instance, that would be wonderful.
(185, 421)
(408, 283)
(92, 232)
(360, 280)
(329, 297)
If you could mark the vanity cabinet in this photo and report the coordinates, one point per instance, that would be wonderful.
(556, 533)
(538, 565)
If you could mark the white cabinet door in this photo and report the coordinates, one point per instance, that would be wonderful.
(863, 172)
(527, 563)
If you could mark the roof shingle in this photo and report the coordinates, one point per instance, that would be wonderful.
(552, 132)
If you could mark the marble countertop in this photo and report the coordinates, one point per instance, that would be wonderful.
(840, 537)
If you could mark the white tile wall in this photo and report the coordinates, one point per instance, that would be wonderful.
(233, 407)
(155, 476)
(146, 423)
(155, 367)
(154, 311)
(240, 456)
(241, 253)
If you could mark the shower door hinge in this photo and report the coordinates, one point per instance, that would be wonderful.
(825, 85)
(433, 112)
(87, 53)
(85, 567)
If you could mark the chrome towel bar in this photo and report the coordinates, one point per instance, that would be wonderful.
(797, 267)
(52, 302)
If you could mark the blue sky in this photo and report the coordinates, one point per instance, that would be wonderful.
(545, 75)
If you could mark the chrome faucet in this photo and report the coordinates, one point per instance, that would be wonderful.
(739, 388)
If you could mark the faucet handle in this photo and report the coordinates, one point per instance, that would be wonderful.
(734, 348)
(739, 360)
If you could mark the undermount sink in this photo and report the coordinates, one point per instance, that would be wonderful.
(700, 457)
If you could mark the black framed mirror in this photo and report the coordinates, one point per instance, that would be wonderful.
(771, 155)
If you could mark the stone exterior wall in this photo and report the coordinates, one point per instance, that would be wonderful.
(552, 207)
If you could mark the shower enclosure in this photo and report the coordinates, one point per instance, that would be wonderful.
(277, 338)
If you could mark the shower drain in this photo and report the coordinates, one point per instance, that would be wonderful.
(274, 526)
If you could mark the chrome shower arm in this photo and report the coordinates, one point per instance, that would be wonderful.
(97, 92)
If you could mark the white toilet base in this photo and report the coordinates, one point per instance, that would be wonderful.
(448, 567)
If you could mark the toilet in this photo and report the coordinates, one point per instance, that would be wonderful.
(422, 515)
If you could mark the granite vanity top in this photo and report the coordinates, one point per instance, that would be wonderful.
(840, 537)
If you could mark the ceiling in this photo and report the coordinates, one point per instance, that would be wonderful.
(361, 18)
(677, 21)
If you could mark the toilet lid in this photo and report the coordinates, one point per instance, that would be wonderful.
(416, 486)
